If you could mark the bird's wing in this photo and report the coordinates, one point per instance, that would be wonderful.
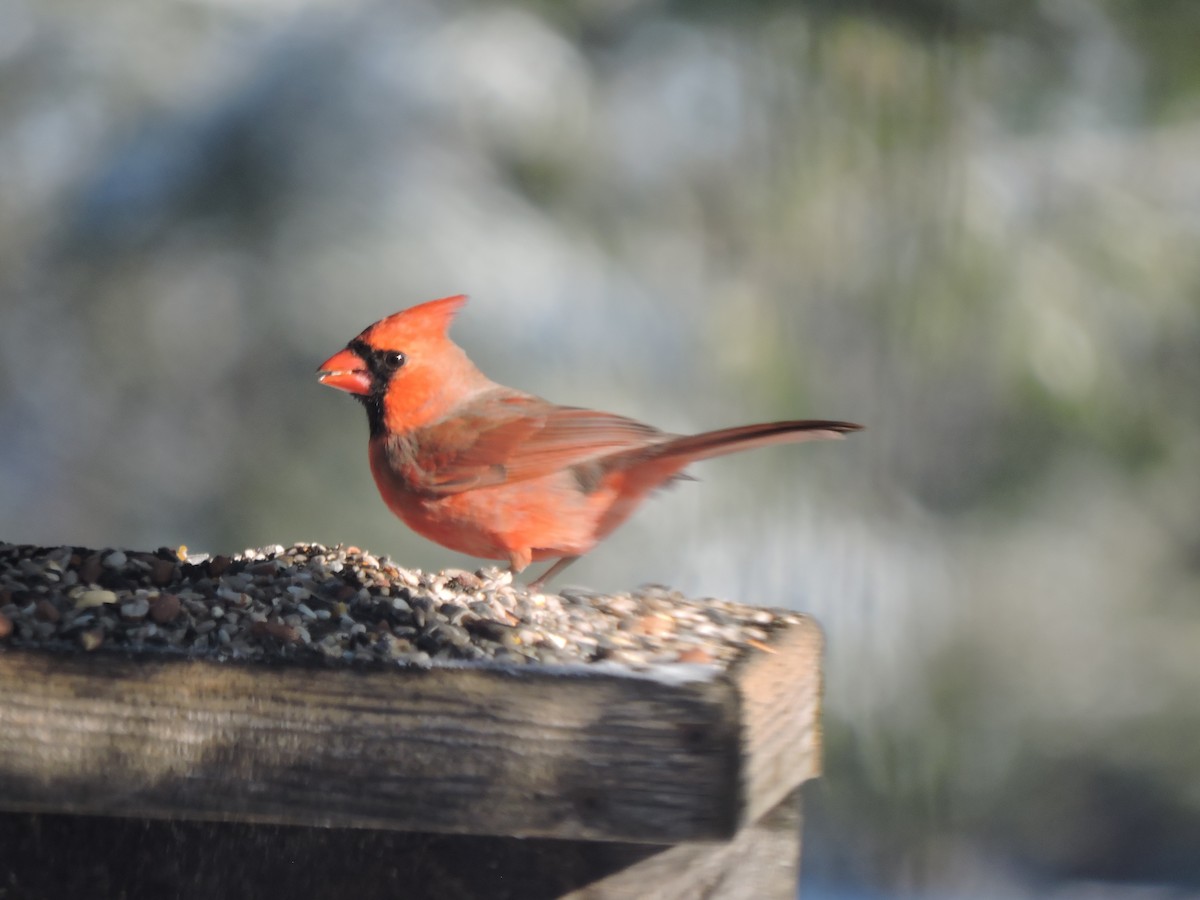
(505, 436)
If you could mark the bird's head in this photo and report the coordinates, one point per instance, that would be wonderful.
(405, 369)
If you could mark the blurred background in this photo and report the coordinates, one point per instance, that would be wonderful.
(972, 226)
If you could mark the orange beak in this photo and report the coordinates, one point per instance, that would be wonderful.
(345, 371)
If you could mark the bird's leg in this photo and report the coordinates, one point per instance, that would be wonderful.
(537, 583)
(518, 559)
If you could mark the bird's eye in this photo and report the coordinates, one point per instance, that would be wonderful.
(395, 359)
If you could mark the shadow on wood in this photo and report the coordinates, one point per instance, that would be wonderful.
(59, 857)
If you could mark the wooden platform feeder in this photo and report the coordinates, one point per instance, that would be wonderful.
(139, 774)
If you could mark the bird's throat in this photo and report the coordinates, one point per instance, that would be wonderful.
(374, 405)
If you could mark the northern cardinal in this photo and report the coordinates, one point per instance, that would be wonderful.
(497, 473)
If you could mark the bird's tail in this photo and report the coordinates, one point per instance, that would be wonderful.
(651, 465)
(635, 472)
(747, 437)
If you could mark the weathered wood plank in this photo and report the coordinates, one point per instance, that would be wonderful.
(777, 743)
(55, 857)
(762, 862)
(584, 752)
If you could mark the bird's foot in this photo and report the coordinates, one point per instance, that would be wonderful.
(538, 583)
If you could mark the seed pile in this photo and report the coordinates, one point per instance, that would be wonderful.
(342, 605)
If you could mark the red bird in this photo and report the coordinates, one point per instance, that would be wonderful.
(494, 472)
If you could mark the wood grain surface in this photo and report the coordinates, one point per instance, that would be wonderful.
(584, 752)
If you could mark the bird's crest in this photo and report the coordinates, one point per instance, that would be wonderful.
(427, 320)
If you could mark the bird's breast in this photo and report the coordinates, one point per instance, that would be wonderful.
(549, 516)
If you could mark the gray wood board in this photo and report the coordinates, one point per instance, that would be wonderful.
(586, 752)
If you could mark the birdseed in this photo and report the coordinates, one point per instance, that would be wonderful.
(339, 605)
